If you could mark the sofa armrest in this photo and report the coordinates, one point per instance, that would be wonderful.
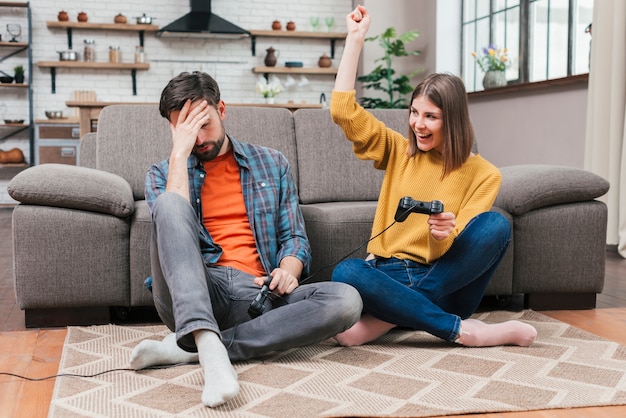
(72, 187)
(528, 187)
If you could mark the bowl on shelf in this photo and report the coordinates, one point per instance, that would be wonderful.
(6, 79)
(293, 64)
(14, 121)
(54, 114)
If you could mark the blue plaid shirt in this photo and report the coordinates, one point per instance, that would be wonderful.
(270, 197)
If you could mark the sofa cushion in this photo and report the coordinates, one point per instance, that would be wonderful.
(71, 187)
(528, 187)
(329, 170)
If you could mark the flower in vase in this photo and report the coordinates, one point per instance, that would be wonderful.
(269, 89)
(492, 59)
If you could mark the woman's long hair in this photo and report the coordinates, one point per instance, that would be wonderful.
(447, 92)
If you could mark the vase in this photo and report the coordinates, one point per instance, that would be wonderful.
(269, 100)
(271, 57)
(494, 79)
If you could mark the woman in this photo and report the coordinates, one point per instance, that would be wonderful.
(429, 272)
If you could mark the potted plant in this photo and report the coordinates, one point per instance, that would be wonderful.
(383, 77)
(493, 61)
(19, 73)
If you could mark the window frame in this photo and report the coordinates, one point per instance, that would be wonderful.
(524, 33)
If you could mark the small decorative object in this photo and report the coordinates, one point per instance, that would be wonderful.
(15, 30)
(291, 25)
(271, 57)
(63, 16)
(268, 89)
(119, 18)
(324, 61)
(330, 21)
(276, 25)
(82, 17)
(89, 54)
(314, 20)
(19, 74)
(493, 62)
(115, 56)
(12, 156)
(140, 56)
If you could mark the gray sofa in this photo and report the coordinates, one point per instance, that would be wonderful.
(81, 234)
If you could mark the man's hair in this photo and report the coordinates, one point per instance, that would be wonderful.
(195, 86)
(447, 92)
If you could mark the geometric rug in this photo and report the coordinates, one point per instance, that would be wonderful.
(404, 373)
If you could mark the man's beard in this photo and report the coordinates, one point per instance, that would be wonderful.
(212, 152)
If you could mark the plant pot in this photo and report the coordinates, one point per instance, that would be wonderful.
(493, 79)
(19, 79)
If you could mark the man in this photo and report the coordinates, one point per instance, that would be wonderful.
(225, 219)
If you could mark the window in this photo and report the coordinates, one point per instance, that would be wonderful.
(545, 39)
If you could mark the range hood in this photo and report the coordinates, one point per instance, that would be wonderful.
(201, 23)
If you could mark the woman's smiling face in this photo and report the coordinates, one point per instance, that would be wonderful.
(426, 120)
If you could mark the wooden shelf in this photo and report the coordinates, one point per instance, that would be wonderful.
(13, 4)
(132, 66)
(14, 44)
(94, 65)
(294, 70)
(18, 85)
(103, 26)
(295, 34)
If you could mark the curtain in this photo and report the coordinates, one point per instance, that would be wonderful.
(605, 137)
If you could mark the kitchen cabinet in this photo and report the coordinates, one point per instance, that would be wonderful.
(12, 54)
(69, 27)
(57, 141)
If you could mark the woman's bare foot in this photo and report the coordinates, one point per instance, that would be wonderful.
(475, 333)
(367, 329)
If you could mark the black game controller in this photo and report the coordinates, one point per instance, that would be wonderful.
(258, 307)
(408, 205)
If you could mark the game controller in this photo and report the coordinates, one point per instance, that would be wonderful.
(258, 306)
(408, 205)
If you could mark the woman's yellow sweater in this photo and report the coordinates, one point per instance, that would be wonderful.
(466, 192)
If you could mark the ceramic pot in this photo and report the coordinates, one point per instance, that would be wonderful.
(324, 61)
(272, 57)
(276, 25)
(291, 25)
(63, 16)
(493, 79)
(120, 18)
(82, 17)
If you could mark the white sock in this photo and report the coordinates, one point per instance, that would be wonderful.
(475, 333)
(150, 353)
(220, 378)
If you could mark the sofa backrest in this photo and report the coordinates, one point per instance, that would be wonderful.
(130, 139)
(329, 170)
(269, 127)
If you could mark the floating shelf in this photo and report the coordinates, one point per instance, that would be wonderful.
(295, 34)
(68, 26)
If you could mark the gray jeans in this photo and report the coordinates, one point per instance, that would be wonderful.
(190, 295)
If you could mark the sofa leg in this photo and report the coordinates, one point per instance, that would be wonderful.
(61, 317)
(559, 301)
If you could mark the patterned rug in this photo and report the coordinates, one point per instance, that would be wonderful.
(405, 373)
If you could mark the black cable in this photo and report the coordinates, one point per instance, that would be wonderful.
(39, 379)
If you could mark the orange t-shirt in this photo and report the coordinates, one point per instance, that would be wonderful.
(227, 220)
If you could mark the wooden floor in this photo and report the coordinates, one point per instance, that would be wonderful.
(37, 352)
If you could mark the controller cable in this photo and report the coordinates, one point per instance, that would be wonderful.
(265, 293)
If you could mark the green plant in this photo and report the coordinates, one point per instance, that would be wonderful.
(383, 77)
(492, 59)
(19, 70)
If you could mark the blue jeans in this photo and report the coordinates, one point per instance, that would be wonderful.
(190, 295)
(432, 298)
